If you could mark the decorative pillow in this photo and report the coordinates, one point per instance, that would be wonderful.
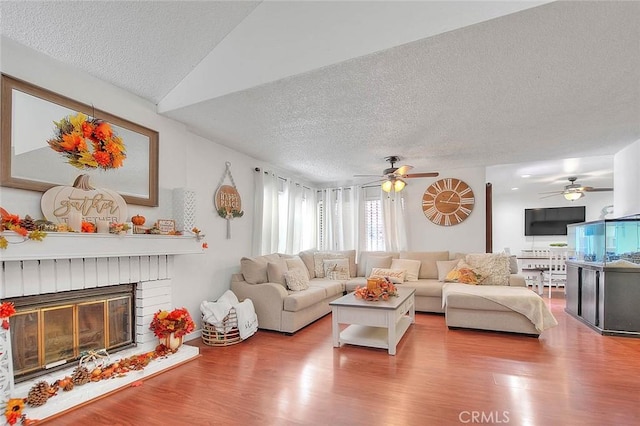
(377, 262)
(428, 268)
(296, 263)
(513, 264)
(464, 274)
(494, 267)
(395, 275)
(364, 255)
(307, 258)
(444, 267)
(296, 280)
(275, 272)
(336, 269)
(318, 261)
(411, 266)
(254, 269)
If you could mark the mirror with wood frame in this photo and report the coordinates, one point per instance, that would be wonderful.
(28, 162)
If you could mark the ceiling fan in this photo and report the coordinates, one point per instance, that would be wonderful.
(574, 191)
(392, 178)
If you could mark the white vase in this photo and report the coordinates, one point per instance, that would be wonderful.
(171, 341)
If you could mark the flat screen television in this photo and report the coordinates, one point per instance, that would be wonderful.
(551, 220)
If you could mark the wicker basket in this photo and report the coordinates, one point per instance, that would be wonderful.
(222, 334)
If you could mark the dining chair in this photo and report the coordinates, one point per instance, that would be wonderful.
(532, 268)
(556, 273)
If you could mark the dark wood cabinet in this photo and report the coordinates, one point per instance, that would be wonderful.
(605, 298)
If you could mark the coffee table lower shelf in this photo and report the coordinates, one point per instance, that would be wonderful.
(378, 324)
(373, 337)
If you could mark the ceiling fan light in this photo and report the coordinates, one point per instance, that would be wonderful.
(573, 196)
(387, 185)
(398, 185)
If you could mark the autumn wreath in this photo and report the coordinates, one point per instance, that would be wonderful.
(88, 143)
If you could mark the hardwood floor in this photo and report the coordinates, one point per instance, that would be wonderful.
(571, 375)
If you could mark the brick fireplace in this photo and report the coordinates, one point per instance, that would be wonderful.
(69, 262)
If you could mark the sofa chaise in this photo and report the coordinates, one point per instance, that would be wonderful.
(263, 280)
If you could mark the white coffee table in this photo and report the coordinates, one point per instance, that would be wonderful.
(378, 324)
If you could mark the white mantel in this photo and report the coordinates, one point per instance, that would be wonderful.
(68, 245)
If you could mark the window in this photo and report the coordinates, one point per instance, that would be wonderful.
(374, 226)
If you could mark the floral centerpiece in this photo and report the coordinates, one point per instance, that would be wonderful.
(376, 289)
(178, 321)
(88, 143)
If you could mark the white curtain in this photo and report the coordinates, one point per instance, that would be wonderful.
(300, 219)
(395, 221)
(266, 223)
(341, 219)
(284, 219)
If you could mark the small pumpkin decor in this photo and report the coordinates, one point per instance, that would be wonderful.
(227, 199)
(81, 202)
(138, 222)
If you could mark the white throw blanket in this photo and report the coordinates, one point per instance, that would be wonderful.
(215, 312)
(518, 299)
(247, 318)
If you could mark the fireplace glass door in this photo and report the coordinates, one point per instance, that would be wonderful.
(48, 336)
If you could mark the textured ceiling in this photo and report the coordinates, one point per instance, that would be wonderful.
(145, 47)
(556, 81)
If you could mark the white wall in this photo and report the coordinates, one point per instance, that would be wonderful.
(626, 180)
(508, 217)
(186, 161)
(466, 237)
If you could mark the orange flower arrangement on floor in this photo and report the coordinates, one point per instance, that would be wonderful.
(88, 143)
(376, 289)
(6, 311)
(178, 321)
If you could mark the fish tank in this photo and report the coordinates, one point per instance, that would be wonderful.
(607, 241)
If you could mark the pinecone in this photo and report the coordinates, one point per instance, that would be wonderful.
(38, 394)
(28, 223)
(80, 376)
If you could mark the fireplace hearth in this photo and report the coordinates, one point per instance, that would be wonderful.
(65, 263)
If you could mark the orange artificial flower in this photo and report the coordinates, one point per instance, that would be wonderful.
(117, 161)
(102, 158)
(88, 227)
(103, 131)
(7, 309)
(112, 148)
(20, 231)
(12, 219)
(87, 129)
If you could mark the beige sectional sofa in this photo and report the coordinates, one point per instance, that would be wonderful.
(287, 311)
